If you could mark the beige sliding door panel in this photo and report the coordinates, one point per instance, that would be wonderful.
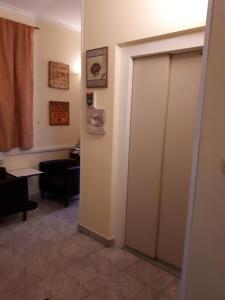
(178, 155)
(149, 105)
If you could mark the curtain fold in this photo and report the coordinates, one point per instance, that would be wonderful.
(16, 85)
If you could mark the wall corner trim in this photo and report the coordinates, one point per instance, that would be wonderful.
(94, 235)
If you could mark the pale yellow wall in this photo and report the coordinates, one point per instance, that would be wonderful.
(206, 270)
(62, 45)
(108, 23)
(56, 43)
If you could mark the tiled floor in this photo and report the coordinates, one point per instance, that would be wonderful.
(45, 258)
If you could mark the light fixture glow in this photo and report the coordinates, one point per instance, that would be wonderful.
(76, 66)
(182, 13)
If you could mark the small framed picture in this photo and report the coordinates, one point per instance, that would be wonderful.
(58, 75)
(59, 113)
(97, 65)
(96, 118)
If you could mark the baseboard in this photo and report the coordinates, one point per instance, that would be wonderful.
(99, 238)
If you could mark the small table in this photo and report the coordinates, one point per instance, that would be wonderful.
(26, 173)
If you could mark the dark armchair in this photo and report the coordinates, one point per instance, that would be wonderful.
(60, 176)
(13, 194)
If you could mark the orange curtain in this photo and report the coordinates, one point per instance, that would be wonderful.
(16, 85)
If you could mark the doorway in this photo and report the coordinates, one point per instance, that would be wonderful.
(163, 121)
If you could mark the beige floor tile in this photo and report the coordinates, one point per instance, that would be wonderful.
(148, 294)
(119, 285)
(44, 207)
(172, 292)
(28, 245)
(162, 297)
(6, 238)
(129, 286)
(57, 287)
(88, 268)
(40, 266)
(23, 229)
(7, 292)
(45, 257)
(83, 244)
(53, 228)
(60, 257)
(120, 258)
(18, 275)
(151, 275)
(91, 297)
(6, 257)
(64, 254)
(84, 240)
(110, 294)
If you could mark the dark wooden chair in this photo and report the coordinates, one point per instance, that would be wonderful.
(60, 176)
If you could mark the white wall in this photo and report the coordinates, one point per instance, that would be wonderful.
(55, 43)
(109, 23)
(206, 266)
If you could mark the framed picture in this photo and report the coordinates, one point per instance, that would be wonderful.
(96, 120)
(59, 113)
(58, 75)
(97, 65)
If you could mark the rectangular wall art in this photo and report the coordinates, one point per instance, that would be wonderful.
(58, 75)
(96, 120)
(58, 113)
(97, 64)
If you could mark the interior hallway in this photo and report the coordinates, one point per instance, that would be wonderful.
(46, 258)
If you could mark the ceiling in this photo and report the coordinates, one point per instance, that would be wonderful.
(67, 12)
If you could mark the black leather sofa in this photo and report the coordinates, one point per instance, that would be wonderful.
(13, 194)
(60, 176)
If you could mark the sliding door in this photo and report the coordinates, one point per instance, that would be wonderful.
(178, 155)
(149, 105)
(163, 123)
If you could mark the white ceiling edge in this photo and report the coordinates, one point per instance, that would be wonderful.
(68, 27)
(37, 17)
(19, 10)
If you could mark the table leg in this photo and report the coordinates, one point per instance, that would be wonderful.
(26, 203)
(25, 214)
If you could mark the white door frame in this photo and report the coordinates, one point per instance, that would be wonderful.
(183, 42)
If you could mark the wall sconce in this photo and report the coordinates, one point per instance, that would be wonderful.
(76, 66)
